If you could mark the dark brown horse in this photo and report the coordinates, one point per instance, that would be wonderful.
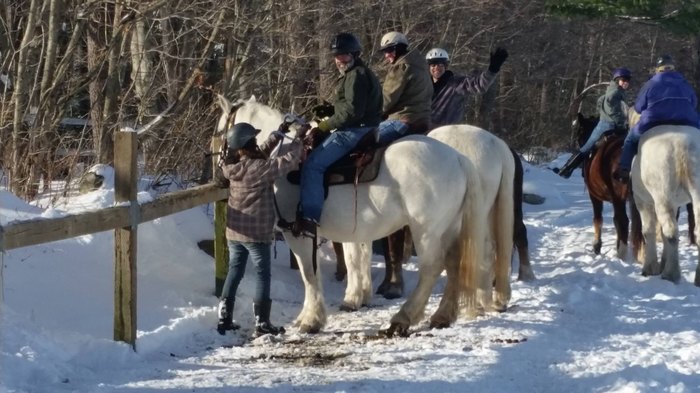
(598, 171)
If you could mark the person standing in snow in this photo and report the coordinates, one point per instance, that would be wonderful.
(250, 217)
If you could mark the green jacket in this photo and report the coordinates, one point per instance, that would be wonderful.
(358, 100)
(408, 89)
(610, 105)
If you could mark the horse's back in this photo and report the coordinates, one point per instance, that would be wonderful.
(490, 154)
(668, 164)
(598, 171)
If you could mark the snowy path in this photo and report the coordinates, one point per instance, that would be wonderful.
(587, 324)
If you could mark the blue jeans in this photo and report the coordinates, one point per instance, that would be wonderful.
(238, 257)
(629, 149)
(391, 130)
(597, 132)
(337, 145)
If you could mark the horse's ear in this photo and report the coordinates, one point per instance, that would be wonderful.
(252, 98)
(224, 104)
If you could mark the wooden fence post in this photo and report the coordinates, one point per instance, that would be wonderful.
(125, 239)
(220, 246)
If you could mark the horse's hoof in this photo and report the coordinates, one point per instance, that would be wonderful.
(308, 329)
(382, 288)
(671, 277)
(596, 248)
(347, 308)
(390, 291)
(439, 323)
(526, 275)
(340, 276)
(394, 329)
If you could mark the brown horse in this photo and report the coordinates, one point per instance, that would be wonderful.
(598, 171)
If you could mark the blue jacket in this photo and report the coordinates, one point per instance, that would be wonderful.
(666, 98)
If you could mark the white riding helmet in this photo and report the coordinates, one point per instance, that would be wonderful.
(391, 39)
(437, 56)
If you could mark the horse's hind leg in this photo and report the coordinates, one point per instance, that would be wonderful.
(341, 269)
(525, 272)
(431, 265)
(670, 269)
(597, 224)
(395, 254)
(447, 311)
(650, 263)
(621, 227)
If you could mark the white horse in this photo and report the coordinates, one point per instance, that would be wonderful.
(665, 175)
(422, 183)
(495, 164)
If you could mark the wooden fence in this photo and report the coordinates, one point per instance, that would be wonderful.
(124, 219)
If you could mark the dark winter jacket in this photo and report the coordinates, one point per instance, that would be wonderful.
(408, 90)
(666, 98)
(610, 106)
(358, 100)
(450, 94)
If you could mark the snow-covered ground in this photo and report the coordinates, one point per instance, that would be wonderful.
(587, 324)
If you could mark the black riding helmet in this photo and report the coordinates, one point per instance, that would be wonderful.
(239, 135)
(344, 43)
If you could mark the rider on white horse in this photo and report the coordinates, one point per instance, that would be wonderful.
(450, 90)
(666, 98)
(407, 90)
(357, 110)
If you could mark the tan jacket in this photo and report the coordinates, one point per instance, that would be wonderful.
(408, 89)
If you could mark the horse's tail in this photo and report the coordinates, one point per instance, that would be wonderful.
(502, 230)
(471, 240)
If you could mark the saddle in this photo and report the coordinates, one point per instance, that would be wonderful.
(615, 132)
(361, 165)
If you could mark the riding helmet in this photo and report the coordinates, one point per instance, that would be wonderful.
(665, 63)
(392, 39)
(437, 56)
(239, 135)
(623, 73)
(345, 43)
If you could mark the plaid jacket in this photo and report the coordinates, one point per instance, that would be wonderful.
(250, 216)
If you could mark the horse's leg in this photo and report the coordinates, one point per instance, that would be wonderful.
(447, 311)
(411, 312)
(650, 266)
(691, 223)
(313, 313)
(502, 233)
(359, 289)
(597, 223)
(394, 257)
(340, 269)
(621, 227)
(695, 233)
(636, 231)
(525, 272)
(670, 270)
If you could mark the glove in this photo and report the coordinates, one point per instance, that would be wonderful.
(323, 110)
(302, 131)
(284, 127)
(498, 57)
(313, 136)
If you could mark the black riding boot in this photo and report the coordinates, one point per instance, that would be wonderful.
(226, 317)
(262, 319)
(570, 165)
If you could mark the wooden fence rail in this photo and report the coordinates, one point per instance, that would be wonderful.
(124, 220)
